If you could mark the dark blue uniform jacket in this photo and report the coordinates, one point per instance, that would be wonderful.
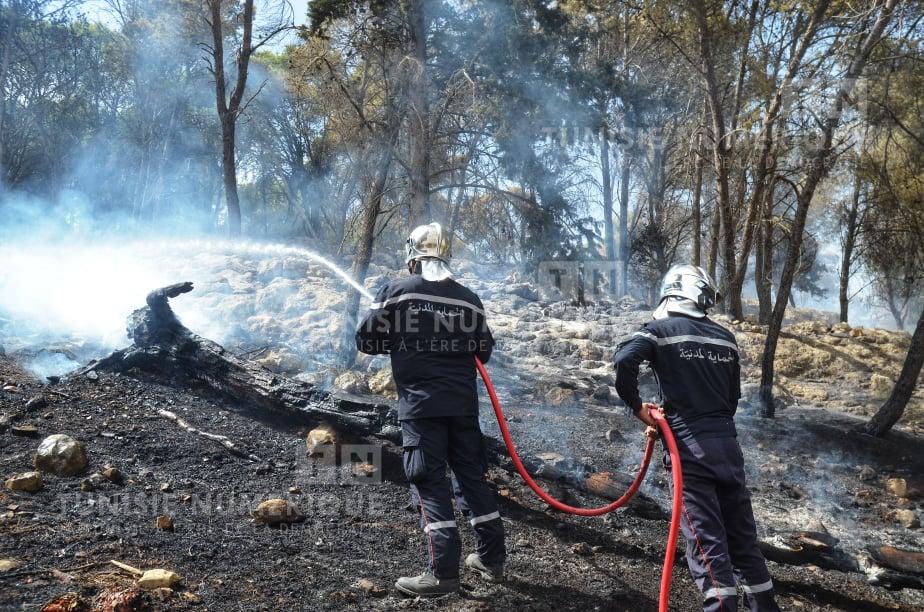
(432, 329)
(697, 366)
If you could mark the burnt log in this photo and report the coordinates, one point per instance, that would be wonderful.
(907, 561)
(164, 349)
(818, 548)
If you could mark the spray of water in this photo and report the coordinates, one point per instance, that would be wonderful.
(74, 298)
(280, 250)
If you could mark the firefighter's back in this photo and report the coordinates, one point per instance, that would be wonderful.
(698, 369)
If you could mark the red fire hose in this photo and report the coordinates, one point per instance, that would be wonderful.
(665, 430)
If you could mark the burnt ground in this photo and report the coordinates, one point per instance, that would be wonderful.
(65, 537)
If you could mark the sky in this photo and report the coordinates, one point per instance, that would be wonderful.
(96, 10)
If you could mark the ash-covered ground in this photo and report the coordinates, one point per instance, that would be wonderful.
(807, 470)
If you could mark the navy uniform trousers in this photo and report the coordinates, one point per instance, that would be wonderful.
(430, 445)
(718, 524)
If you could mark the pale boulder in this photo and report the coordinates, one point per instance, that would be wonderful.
(62, 455)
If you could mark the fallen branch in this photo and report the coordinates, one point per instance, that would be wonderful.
(127, 568)
(222, 440)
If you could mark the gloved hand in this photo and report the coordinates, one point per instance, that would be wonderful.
(646, 418)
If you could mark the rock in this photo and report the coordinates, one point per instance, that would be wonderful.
(263, 469)
(322, 440)
(613, 435)
(36, 403)
(880, 385)
(27, 481)
(61, 455)
(866, 473)
(166, 487)
(602, 392)
(370, 588)
(383, 383)
(69, 602)
(897, 486)
(582, 549)
(905, 518)
(92, 482)
(92, 375)
(277, 511)
(113, 475)
(164, 522)
(26, 431)
(523, 290)
(159, 578)
(351, 382)
(9, 564)
(559, 395)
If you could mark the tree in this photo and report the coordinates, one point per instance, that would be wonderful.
(817, 168)
(893, 408)
(231, 105)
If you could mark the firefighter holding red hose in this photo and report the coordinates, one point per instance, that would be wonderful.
(432, 327)
(697, 366)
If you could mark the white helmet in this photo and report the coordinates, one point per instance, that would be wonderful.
(692, 283)
(427, 241)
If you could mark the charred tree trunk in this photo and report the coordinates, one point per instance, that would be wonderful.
(817, 165)
(891, 411)
(850, 238)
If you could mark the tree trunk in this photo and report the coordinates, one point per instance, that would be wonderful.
(229, 108)
(817, 169)
(624, 224)
(720, 149)
(6, 42)
(365, 244)
(715, 228)
(850, 237)
(891, 411)
(229, 175)
(763, 273)
(608, 236)
(697, 200)
(418, 116)
(766, 163)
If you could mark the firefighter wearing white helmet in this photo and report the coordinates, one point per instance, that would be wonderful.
(698, 370)
(433, 327)
(429, 246)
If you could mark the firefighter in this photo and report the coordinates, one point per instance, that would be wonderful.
(697, 367)
(433, 327)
